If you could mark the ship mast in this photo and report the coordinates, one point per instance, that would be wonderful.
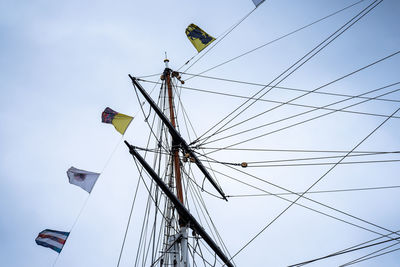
(176, 245)
(177, 250)
(175, 146)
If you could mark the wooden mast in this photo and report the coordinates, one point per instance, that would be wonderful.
(175, 148)
(178, 245)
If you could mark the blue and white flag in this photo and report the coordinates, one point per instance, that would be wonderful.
(83, 179)
(52, 239)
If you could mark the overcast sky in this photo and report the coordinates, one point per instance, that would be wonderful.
(63, 62)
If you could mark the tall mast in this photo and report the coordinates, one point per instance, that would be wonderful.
(176, 250)
(175, 146)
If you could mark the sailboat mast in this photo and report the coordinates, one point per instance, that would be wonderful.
(175, 146)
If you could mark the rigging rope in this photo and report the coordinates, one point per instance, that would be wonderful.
(263, 85)
(298, 123)
(300, 195)
(365, 257)
(293, 150)
(301, 105)
(318, 180)
(230, 29)
(273, 41)
(318, 88)
(300, 205)
(358, 245)
(299, 159)
(318, 192)
(310, 55)
(343, 252)
(390, 251)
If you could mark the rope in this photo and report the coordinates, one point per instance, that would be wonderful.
(275, 40)
(318, 192)
(369, 254)
(230, 29)
(301, 105)
(318, 88)
(299, 123)
(335, 35)
(319, 179)
(361, 244)
(300, 159)
(276, 87)
(299, 195)
(343, 252)
(301, 205)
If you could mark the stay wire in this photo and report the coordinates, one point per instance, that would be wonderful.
(325, 163)
(317, 192)
(393, 250)
(299, 105)
(319, 179)
(273, 41)
(288, 150)
(220, 39)
(128, 223)
(149, 76)
(390, 251)
(352, 247)
(144, 114)
(300, 159)
(343, 252)
(307, 198)
(149, 191)
(132, 206)
(202, 189)
(298, 123)
(201, 200)
(303, 206)
(308, 111)
(366, 257)
(262, 85)
(334, 35)
(140, 172)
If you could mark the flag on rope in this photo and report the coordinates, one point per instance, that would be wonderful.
(83, 179)
(257, 2)
(52, 239)
(120, 121)
(199, 38)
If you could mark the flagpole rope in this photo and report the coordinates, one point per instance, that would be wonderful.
(289, 71)
(228, 31)
(275, 40)
(88, 196)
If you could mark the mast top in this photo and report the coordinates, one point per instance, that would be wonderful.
(166, 60)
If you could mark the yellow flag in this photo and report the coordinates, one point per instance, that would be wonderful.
(199, 38)
(119, 120)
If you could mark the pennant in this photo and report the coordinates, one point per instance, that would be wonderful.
(52, 239)
(120, 121)
(83, 179)
(199, 38)
(258, 2)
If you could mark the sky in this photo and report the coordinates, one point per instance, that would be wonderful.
(62, 63)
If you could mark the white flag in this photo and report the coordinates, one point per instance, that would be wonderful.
(257, 2)
(83, 179)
